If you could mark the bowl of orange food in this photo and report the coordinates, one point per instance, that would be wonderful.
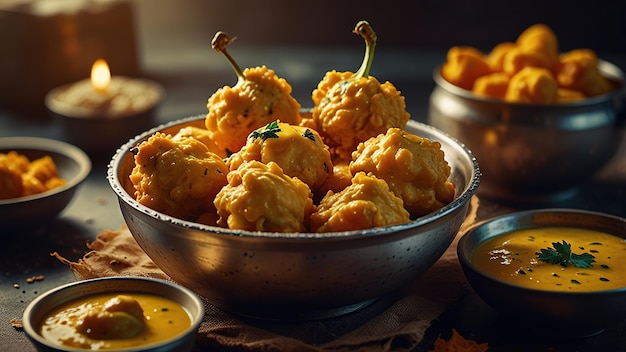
(283, 270)
(114, 314)
(39, 178)
(275, 212)
(549, 270)
(540, 121)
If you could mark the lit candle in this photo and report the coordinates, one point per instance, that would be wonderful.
(104, 108)
(100, 76)
(104, 95)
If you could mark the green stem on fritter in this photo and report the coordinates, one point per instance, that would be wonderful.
(219, 43)
(366, 31)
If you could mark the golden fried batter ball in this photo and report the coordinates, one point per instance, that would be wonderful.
(463, 65)
(578, 70)
(366, 203)
(540, 39)
(32, 185)
(413, 167)
(356, 109)
(203, 135)
(11, 185)
(15, 161)
(517, 59)
(532, 85)
(340, 179)
(330, 79)
(260, 98)
(495, 58)
(261, 197)
(298, 150)
(493, 85)
(21, 177)
(179, 177)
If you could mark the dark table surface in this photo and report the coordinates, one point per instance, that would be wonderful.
(189, 80)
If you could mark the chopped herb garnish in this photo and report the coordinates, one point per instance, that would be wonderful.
(308, 134)
(561, 253)
(604, 279)
(576, 282)
(269, 131)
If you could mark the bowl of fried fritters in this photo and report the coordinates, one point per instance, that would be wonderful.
(272, 211)
(287, 274)
(39, 177)
(541, 121)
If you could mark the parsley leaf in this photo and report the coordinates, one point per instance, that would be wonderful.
(269, 131)
(582, 260)
(308, 134)
(561, 253)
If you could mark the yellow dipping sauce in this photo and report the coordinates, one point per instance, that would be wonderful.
(109, 321)
(513, 257)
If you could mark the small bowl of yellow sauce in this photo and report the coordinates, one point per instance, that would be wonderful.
(550, 270)
(115, 314)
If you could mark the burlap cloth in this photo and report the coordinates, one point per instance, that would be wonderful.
(399, 326)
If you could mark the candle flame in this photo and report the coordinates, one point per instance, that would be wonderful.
(100, 75)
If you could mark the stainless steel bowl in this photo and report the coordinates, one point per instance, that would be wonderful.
(542, 311)
(532, 152)
(37, 310)
(295, 275)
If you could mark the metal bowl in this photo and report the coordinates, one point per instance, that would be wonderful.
(37, 310)
(73, 165)
(532, 152)
(295, 275)
(545, 312)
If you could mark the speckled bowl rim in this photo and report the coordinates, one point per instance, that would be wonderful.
(459, 201)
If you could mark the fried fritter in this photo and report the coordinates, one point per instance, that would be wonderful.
(366, 203)
(354, 111)
(260, 98)
(298, 150)
(21, 177)
(261, 197)
(413, 167)
(179, 177)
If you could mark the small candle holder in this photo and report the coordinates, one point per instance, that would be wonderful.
(100, 116)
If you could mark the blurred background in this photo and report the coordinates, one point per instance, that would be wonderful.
(418, 23)
(49, 42)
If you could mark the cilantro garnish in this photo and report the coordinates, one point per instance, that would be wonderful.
(269, 131)
(309, 134)
(561, 253)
